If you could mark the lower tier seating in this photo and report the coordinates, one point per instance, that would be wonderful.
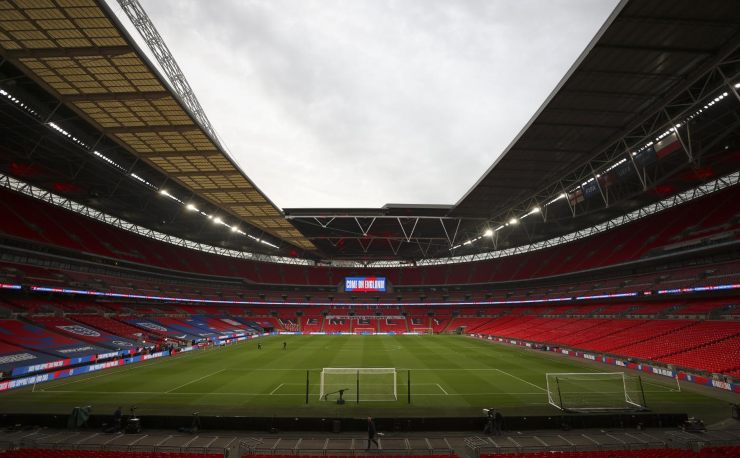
(706, 452)
(53, 453)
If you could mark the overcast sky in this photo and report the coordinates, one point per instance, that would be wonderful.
(358, 103)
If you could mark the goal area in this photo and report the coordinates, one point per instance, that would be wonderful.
(358, 384)
(595, 391)
(364, 331)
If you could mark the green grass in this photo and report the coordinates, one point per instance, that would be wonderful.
(450, 376)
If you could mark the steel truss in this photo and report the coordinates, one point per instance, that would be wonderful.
(656, 207)
(673, 112)
(167, 62)
(49, 197)
(407, 225)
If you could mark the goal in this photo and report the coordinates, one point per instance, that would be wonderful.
(424, 330)
(595, 391)
(364, 330)
(359, 383)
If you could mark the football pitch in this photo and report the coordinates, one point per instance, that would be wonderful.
(447, 376)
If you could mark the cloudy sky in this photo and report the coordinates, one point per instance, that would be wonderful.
(358, 103)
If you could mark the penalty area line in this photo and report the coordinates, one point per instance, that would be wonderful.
(193, 381)
(522, 380)
(440, 387)
(277, 388)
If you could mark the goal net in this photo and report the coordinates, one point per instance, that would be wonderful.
(364, 330)
(595, 391)
(424, 330)
(359, 383)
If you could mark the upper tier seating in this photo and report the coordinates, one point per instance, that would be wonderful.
(43, 223)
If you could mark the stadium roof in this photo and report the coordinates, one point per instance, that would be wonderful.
(652, 66)
(639, 61)
(79, 51)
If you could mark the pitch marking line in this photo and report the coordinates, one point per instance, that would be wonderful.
(193, 381)
(277, 388)
(666, 388)
(522, 380)
(114, 370)
(443, 390)
(496, 393)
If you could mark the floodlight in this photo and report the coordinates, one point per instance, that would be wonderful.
(234, 228)
(488, 233)
(513, 221)
(191, 207)
(217, 220)
(163, 192)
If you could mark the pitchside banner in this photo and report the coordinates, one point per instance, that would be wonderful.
(364, 284)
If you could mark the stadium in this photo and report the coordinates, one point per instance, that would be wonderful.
(585, 287)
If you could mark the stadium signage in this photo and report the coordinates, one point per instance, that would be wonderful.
(80, 330)
(15, 358)
(364, 284)
(74, 350)
(152, 326)
(364, 317)
(122, 343)
(9, 286)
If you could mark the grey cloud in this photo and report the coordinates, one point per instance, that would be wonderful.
(359, 103)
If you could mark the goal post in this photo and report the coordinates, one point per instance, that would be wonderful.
(365, 330)
(358, 384)
(424, 330)
(595, 391)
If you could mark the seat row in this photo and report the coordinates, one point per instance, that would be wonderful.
(54, 453)
(706, 452)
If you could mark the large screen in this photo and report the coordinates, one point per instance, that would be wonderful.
(364, 284)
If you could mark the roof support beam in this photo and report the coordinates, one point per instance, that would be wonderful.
(190, 153)
(658, 49)
(113, 96)
(152, 129)
(45, 53)
(210, 173)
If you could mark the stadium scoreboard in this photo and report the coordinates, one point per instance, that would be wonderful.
(364, 284)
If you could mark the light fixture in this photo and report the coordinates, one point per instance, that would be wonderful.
(217, 220)
(234, 228)
(191, 207)
(513, 221)
(488, 233)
